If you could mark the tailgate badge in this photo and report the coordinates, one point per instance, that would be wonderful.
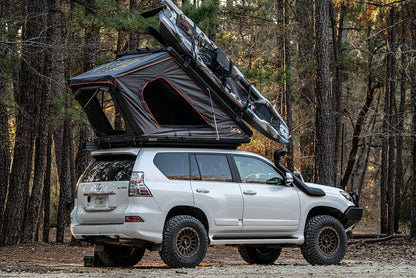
(98, 187)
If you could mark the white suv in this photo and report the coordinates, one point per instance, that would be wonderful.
(178, 201)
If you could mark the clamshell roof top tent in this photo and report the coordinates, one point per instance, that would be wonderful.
(150, 97)
(213, 65)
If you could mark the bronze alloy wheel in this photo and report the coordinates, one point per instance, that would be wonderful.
(187, 242)
(328, 241)
(325, 240)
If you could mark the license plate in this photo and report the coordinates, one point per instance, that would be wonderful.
(100, 201)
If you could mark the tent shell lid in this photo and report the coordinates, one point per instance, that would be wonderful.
(108, 73)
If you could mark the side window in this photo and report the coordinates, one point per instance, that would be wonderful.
(195, 175)
(214, 167)
(253, 170)
(174, 166)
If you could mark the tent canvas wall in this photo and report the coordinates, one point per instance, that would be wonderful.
(150, 95)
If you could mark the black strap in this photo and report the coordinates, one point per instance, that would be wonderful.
(248, 98)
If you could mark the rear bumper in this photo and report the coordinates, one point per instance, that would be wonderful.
(353, 215)
(137, 231)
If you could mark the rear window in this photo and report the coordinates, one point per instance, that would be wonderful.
(174, 166)
(109, 168)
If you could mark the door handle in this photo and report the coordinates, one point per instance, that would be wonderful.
(249, 192)
(202, 190)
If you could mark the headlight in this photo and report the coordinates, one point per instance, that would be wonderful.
(346, 196)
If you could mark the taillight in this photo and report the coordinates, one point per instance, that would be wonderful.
(137, 187)
(133, 219)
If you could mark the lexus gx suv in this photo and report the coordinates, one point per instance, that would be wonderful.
(178, 201)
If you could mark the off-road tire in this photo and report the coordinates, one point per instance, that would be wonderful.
(123, 256)
(185, 242)
(259, 255)
(325, 240)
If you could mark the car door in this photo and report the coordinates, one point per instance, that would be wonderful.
(269, 204)
(216, 193)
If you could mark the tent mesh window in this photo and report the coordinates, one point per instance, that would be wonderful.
(169, 107)
(102, 112)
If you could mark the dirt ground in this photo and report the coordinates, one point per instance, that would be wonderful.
(394, 258)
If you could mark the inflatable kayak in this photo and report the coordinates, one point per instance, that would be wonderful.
(182, 34)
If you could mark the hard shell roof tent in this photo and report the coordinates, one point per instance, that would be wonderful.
(150, 97)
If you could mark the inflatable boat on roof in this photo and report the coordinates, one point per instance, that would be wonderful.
(216, 68)
(149, 98)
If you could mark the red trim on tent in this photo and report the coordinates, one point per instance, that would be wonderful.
(95, 82)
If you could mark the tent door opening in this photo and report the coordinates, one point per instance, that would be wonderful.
(169, 107)
(102, 111)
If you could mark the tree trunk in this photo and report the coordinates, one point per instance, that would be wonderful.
(69, 171)
(83, 156)
(7, 14)
(303, 16)
(213, 28)
(413, 100)
(86, 134)
(383, 178)
(91, 43)
(119, 45)
(50, 57)
(391, 91)
(65, 192)
(133, 37)
(324, 113)
(288, 87)
(25, 97)
(367, 157)
(47, 191)
(413, 105)
(4, 146)
(64, 139)
(337, 34)
(399, 181)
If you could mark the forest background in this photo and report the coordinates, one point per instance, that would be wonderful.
(341, 72)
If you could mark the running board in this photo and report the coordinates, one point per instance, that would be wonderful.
(289, 241)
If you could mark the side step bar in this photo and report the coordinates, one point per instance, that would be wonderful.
(283, 241)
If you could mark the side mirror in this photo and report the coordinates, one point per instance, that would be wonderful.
(289, 178)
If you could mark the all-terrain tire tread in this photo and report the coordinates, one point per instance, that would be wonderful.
(251, 256)
(169, 254)
(109, 257)
(310, 250)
